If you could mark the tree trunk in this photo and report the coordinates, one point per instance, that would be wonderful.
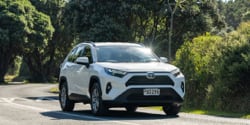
(2, 76)
(5, 60)
(170, 37)
(35, 67)
(3, 69)
(38, 77)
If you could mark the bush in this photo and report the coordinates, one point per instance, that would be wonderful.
(194, 58)
(217, 71)
(231, 91)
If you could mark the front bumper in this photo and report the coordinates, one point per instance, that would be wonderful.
(135, 97)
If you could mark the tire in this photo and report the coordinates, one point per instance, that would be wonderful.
(65, 102)
(131, 109)
(171, 109)
(97, 106)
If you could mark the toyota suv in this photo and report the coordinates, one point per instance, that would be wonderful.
(119, 75)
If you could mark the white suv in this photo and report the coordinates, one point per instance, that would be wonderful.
(119, 75)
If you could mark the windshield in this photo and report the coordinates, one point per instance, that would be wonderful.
(119, 54)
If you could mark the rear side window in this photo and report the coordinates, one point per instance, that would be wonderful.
(72, 56)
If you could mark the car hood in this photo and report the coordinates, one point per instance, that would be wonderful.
(140, 67)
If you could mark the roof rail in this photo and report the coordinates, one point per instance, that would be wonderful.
(142, 44)
(91, 42)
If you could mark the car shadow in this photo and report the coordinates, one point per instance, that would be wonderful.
(111, 115)
(44, 98)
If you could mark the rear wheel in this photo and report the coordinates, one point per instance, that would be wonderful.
(131, 109)
(172, 109)
(97, 106)
(65, 102)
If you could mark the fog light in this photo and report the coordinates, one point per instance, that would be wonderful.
(108, 87)
(182, 87)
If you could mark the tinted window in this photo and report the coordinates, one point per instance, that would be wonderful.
(72, 56)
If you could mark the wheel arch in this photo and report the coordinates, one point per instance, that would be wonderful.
(62, 80)
(93, 79)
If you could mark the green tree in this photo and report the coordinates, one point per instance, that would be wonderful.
(22, 29)
(246, 16)
(172, 7)
(92, 20)
(12, 32)
(35, 49)
(59, 45)
(140, 21)
(234, 11)
(203, 17)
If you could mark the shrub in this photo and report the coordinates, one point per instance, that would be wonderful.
(194, 58)
(217, 70)
(232, 86)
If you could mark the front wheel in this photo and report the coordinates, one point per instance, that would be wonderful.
(65, 102)
(172, 109)
(97, 106)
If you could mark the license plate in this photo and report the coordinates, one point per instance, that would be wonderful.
(151, 92)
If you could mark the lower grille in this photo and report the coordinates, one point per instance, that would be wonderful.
(135, 97)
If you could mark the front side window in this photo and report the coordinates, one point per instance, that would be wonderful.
(125, 54)
(86, 52)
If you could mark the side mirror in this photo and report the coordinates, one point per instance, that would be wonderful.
(83, 61)
(164, 59)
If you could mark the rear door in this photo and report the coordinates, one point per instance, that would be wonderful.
(68, 68)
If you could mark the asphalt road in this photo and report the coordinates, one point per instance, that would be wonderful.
(32, 104)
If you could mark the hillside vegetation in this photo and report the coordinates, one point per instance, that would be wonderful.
(208, 39)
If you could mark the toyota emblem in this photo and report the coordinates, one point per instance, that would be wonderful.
(150, 75)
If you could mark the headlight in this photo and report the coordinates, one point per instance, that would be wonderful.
(176, 72)
(114, 72)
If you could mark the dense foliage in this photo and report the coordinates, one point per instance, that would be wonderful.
(140, 21)
(231, 88)
(195, 59)
(217, 71)
(235, 11)
(23, 30)
(208, 37)
(46, 67)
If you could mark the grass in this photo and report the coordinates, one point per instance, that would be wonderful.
(9, 78)
(211, 112)
(54, 90)
(14, 78)
(217, 113)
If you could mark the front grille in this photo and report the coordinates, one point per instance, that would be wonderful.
(143, 80)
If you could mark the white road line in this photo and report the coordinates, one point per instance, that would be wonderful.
(1, 100)
(8, 99)
(21, 106)
(13, 99)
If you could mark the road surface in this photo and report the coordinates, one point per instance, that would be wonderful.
(32, 104)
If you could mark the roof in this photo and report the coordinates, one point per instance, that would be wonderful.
(110, 44)
(116, 44)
